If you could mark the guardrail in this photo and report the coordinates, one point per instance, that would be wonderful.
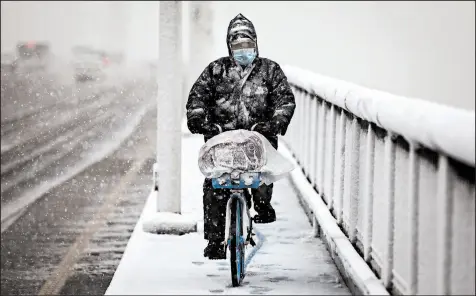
(398, 175)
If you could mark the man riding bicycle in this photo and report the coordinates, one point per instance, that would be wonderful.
(240, 91)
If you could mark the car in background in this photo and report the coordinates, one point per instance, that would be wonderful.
(88, 71)
(113, 58)
(33, 55)
(32, 49)
(88, 64)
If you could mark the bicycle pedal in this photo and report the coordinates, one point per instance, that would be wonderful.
(252, 242)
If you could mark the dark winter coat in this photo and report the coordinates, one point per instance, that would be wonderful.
(219, 97)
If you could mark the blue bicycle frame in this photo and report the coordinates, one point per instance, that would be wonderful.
(234, 237)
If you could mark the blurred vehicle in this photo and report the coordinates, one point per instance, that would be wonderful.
(88, 64)
(33, 54)
(114, 58)
(9, 63)
(88, 71)
(32, 49)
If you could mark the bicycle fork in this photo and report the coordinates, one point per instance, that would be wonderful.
(238, 194)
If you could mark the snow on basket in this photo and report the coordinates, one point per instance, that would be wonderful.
(242, 151)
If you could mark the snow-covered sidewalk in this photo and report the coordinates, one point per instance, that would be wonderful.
(290, 261)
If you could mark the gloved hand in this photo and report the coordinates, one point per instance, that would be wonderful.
(263, 128)
(196, 126)
(210, 130)
(272, 127)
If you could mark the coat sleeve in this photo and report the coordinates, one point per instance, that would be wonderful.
(282, 98)
(199, 100)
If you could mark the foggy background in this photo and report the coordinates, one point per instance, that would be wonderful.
(87, 110)
(131, 27)
(416, 49)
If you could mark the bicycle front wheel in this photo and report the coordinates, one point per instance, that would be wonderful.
(237, 244)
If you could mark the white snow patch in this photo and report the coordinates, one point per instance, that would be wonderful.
(169, 223)
(442, 128)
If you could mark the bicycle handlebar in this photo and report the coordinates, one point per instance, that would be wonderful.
(237, 180)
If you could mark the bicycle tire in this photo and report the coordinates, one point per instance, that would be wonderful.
(237, 248)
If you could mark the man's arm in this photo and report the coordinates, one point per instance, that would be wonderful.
(283, 100)
(198, 102)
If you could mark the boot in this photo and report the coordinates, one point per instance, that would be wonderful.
(214, 250)
(265, 215)
(262, 204)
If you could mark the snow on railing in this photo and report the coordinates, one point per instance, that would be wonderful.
(398, 174)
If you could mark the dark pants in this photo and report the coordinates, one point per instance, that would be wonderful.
(214, 205)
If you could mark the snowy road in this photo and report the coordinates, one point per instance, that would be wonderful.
(70, 155)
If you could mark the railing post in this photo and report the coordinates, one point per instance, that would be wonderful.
(444, 236)
(340, 163)
(297, 124)
(369, 192)
(306, 140)
(303, 130)
(331, 161)
(413, 204)
(291, 134)
(300, 132)
(313, 137)
(353, 182)
(319, 167)
(389, 181)
(321, 144)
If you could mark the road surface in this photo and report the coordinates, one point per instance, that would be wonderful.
(76, 163)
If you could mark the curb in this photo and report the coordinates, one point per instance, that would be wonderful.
(357, 275)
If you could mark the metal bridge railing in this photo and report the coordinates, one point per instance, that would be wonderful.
(398, 175)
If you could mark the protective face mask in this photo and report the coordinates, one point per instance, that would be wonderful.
(244, 56)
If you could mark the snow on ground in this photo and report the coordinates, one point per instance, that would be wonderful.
(291, 260)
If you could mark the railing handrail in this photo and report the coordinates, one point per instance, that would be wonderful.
(438, 127)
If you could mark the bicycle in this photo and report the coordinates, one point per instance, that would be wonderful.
(234, 238)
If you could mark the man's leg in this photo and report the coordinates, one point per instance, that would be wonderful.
(262, 204)
(214, 207)
(262, 196)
